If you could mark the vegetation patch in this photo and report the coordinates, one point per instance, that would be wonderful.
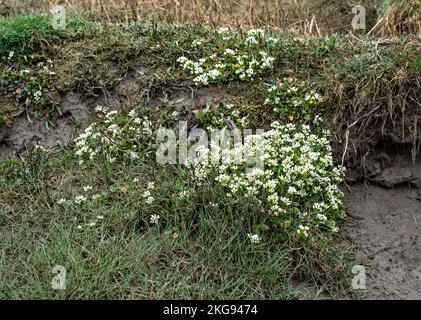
(252, 214)
(287, 174)
(293, 102)
(234, 56)
(24, 36)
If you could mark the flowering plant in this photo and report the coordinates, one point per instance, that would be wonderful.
(293, 101)
(293, 180)
(29, 84)
(233, 56)
(217, 117)
(115, 135)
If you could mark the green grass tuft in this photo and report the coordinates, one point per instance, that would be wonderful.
(25, 35)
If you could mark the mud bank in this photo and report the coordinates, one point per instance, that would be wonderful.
(78, 112)
(384, 226)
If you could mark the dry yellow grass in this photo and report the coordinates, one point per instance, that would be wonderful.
(303, 16)
(307, 16)
(399, 17)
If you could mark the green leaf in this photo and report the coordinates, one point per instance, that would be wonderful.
(107, 169)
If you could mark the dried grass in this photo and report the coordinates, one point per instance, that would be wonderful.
(399, 17)
(321, 16)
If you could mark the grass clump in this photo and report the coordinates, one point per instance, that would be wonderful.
(26, 35)
(398, 17)
(28, 49)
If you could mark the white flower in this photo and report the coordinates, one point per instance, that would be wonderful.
(202, 79)
(254, 238)
(229, 52)
(37, 95)
(213, 74)
(80, 199)
(197, 43)
(132, 113)
(222, 30)
(272, 40)
(154, 219)
(303, 230)
(100, 109)
(252, 40)
(321, 217)
(61, 201)
(213, 205)
(183, 194)
(182, 60)
(87, 188)
(40, 147)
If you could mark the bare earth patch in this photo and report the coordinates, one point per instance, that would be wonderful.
(385, 226)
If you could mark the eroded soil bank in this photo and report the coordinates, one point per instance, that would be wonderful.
(384, 225)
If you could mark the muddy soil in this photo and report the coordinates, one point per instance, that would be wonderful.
(26, 130)
(384, 226)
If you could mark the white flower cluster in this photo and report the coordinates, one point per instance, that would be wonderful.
(83, 201)
(37, 95)
(183, 194)
(303, 230)
(247, 57)
(92, 223)
(39, 147)
(116, 134)
(292, 177)
(82, 198)
(254, 238)
(147, 195)
(154, 219)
